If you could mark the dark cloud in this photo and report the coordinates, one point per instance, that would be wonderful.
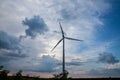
(66, 14)
(105, 72)
(16, 55)
(10, 48)
(107, 58)
(4, 59)
(8, 56)
(36, 25)
(73, 62)
(8, 42)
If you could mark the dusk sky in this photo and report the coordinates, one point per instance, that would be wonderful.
(29, 29)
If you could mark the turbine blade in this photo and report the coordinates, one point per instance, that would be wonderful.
(61, 28)
(56, 44)
(73, 39)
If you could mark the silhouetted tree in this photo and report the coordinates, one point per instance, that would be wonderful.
(56, 76)
(18, 75)
(61, 76)
(1, 67)
(3, 73)
(66, 74)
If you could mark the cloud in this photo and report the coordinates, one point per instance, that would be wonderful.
(107, 58)
(73, 62)
(105, 72)
(10, 48)
(66, 14)
(7, 56)
(82, 9)
(13, 54)
(36, 25)
(47, 64)
(8, 42)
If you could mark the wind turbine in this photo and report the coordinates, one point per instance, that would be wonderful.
(63, 39)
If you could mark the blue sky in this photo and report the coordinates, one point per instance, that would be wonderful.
(110, 18)
(30, 29)
(111, 27)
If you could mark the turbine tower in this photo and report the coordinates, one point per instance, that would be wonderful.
(63, 39)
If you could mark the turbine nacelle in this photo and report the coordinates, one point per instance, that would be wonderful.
(64, 37)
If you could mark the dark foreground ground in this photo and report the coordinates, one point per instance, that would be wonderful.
(95, 79)
(36, 78)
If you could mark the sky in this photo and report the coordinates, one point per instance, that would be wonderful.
(29, 29)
